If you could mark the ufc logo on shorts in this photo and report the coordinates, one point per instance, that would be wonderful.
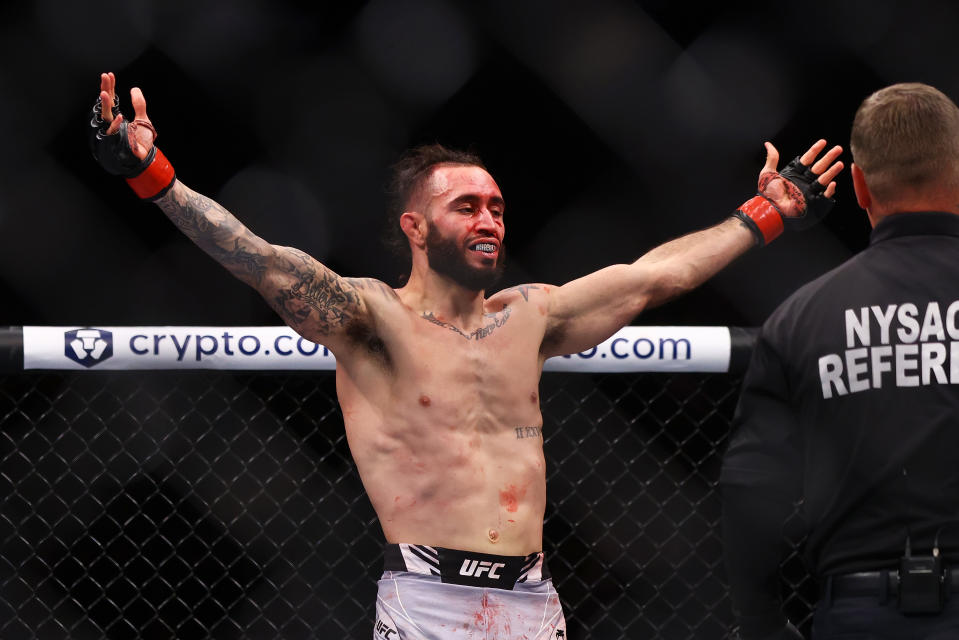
(384, 629)
(476, 568)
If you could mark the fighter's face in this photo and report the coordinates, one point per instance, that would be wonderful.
(465, 217)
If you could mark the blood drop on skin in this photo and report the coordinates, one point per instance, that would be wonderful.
(510, 497)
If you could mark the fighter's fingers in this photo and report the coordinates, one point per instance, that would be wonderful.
(772, 158)
(830, 190)
(139, 104)
(106, 111)
(107, 82)
(115, 125)
(830, 173)
(810, 155)
(820, 165)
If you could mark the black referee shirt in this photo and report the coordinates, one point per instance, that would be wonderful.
(851, 403)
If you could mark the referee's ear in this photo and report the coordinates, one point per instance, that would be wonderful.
(863, 197)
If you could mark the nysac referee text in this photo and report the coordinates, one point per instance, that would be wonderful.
(901, 345)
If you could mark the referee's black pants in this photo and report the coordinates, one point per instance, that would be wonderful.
(871, 618)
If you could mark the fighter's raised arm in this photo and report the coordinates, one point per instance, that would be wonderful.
(311, 298)
(586, 311)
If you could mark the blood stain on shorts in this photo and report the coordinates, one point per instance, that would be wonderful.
(493, 618)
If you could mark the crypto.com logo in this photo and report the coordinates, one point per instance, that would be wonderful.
(88, 346)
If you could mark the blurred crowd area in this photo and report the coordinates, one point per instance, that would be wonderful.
(610, 125)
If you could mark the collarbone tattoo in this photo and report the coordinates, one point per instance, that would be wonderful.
(497, 319)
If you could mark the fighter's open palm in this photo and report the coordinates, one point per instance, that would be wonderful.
(140, 133)
(803, 190)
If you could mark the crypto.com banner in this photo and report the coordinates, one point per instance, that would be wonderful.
(705, 349)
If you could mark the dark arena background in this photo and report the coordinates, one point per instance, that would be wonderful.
(225, 504)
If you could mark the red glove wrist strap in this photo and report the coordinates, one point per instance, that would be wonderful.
(155, 180)
(767, 219)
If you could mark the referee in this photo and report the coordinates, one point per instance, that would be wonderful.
(850, 407)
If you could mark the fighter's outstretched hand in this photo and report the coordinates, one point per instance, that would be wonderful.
(126, 148)
(797, 197)
(140, 132)
(804, 186)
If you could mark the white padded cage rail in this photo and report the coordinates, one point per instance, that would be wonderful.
(75, 348)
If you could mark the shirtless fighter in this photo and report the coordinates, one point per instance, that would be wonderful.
(439, 384)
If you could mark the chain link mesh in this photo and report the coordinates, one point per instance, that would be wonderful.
(221, 505)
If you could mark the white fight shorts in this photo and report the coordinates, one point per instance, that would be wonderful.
(431, 593)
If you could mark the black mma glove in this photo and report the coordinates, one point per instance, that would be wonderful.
(766, 221)
(816, 204)
(151, 177)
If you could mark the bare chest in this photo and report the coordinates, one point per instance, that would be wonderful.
(494, 361)
(484, 377)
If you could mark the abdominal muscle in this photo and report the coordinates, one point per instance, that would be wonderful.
(447, 434)
(474, 487)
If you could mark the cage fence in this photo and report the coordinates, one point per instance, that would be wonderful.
(226, 505)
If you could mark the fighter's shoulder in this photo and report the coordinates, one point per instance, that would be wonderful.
(523, 294)
(371, 288)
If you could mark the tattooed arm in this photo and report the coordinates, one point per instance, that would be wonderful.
(586, 311)
(311, 298)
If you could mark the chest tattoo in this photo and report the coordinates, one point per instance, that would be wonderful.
(497, 320)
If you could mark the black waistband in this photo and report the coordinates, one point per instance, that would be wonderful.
(466, 567)
(881, 584)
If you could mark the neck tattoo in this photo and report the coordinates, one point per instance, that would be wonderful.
(497, 319)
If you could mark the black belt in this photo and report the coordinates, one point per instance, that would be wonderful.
(468, 568)
(881, 584)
